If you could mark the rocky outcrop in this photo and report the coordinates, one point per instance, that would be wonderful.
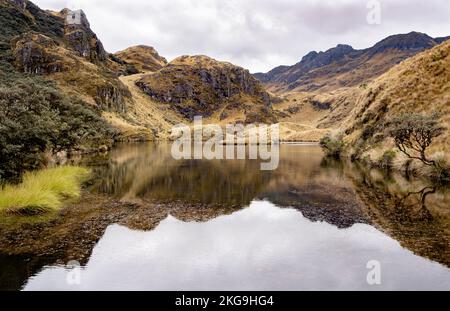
(143, 58)
(20, 4)
(344, 66)
(35, 53)
(199, 85)
(111, 97)
(81, 38)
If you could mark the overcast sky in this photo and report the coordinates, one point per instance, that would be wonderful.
(256, 34)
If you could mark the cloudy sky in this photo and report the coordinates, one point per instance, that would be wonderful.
(256, 34)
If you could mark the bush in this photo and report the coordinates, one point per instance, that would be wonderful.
(43, 190)
(332, 145)
(36, 118)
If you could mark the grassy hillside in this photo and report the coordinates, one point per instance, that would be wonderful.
(418, 85)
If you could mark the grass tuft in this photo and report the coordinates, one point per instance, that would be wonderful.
(44, 190)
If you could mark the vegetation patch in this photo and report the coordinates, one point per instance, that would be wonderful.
(333, 145)
(43, 191)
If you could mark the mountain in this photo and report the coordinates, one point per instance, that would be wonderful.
(441, 39)
(143, 58)
(60, 46)
(200, 85)
(344, 66)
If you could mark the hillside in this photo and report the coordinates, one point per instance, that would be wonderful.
(62, 48)
(200, 85)
(143, 58)
(418, 85)
(344, 66)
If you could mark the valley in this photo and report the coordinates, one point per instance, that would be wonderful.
(88, 173)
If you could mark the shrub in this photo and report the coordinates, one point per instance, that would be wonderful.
(440, 171)
(35, 117)
(333, 145)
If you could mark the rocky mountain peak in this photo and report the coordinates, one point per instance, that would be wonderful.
(412, 41)
(144, 58)
(80, 36)
(324, 58)
(344, 66)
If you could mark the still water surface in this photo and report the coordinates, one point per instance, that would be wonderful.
(313, 224)
(261, 247)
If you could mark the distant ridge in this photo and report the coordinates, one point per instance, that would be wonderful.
(343, 66)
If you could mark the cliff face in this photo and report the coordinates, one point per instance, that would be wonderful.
(35, 53)
(199, 85)
(81, 38)
(343, 66)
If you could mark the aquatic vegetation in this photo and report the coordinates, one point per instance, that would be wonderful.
(43, 190)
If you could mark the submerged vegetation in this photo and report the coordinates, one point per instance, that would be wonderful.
(43, 190)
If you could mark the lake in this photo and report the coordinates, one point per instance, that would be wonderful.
(312, 224)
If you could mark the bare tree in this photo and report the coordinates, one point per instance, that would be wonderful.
(414, 133)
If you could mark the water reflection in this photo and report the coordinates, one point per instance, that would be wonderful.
(311, 204)
(260, 248)
(415, 212)
(149, 172)
(337, 192)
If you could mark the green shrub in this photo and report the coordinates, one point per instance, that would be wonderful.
(35, 117)
(441, 171)
(332, 145)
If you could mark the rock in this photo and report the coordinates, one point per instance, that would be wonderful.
(111, 97)
(81, 38)
(20, 4)
(34, 53)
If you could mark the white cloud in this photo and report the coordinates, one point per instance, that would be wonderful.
(256, 34)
